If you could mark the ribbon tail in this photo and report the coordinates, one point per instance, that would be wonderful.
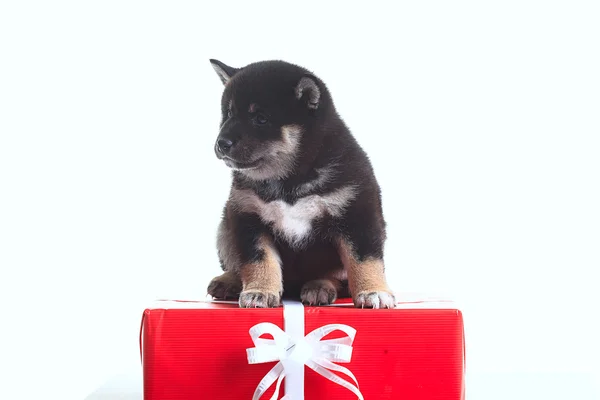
(276, 394)
(334, 378)
(274, 374)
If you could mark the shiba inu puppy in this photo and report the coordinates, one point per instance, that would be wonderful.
(304, 215)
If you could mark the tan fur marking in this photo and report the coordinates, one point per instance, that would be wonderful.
(264, 276)
(280, 156)
(366, 279)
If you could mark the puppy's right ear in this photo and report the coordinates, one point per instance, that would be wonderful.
(225, 72)
(308, 88)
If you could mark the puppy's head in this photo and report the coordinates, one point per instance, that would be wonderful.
(267, 108)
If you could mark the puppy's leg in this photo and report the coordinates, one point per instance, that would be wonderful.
(250, 261)
(229, 284)
(320, 291)
(225, 286)
(261, 277)
(366, 277)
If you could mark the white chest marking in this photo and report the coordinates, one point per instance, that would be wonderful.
(294, 221)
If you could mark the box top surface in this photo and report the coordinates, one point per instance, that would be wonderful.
(404, 301)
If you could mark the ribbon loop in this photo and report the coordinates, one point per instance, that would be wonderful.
(311, 350)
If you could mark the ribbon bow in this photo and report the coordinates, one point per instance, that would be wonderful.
(311, 350)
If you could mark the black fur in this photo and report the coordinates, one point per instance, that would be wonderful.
(325, 142)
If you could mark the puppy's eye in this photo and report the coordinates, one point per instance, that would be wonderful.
(261, 119)
(229, 113)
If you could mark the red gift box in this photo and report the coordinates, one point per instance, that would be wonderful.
(198, 350)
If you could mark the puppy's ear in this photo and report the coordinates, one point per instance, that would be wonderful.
(224, 71)
(308, 88)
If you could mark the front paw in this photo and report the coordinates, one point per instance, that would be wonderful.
(226, 286)
(318, 292)
(374, 299)
(259, 299)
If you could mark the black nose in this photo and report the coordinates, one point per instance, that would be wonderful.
(224, 145)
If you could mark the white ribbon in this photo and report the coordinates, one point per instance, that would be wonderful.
(293, 350)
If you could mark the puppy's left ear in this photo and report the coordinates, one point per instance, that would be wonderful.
(224, 71)
(308, 88)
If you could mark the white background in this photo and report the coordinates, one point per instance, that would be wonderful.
(482, 121)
